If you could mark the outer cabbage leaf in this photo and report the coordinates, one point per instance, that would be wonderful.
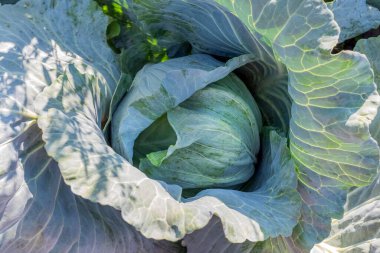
(334, 102)
(359, 229)
(211, 240)
(38, 211)
(53, 219)
(370, 47)
(354, 17)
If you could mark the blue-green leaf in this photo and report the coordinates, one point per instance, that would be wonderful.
(370, 47)
(354, 17)
(359, 229)
(334, 101)
(39, 40)
(43, 215)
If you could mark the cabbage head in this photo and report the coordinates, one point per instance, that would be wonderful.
(208, 141)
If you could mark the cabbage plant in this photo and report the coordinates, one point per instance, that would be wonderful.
(178, 125)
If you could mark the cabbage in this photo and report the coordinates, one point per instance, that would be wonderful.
(209, 140)
(215, 126)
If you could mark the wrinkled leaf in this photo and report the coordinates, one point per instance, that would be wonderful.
(359, 229)
(370, 47)
(354, 17)
(38, 211)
